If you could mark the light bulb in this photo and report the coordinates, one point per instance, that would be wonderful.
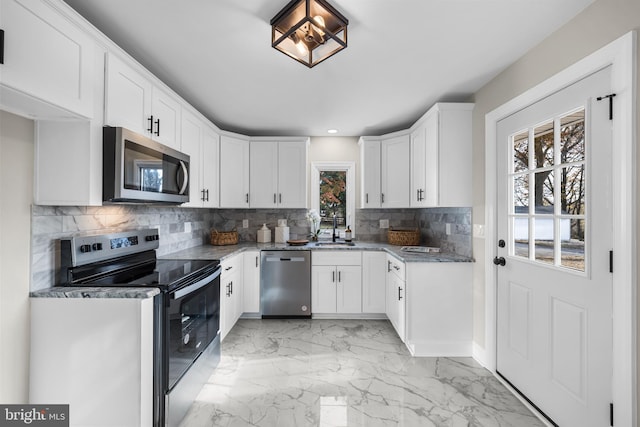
(319, 20)
(302, 48)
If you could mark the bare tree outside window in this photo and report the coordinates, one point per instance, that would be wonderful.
(333, 198)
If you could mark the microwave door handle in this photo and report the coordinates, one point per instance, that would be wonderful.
(185, 180)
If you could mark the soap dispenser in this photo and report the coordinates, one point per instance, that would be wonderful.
(264, 234)
(347, 234)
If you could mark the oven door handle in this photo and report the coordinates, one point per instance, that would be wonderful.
(195, 286)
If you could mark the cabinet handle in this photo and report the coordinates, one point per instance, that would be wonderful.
(157, 127)
(382, 197)
(280, 198)
(228, 294)
(150, 130)
(388, 266)
(339, 277)
(421, 194)
(228, 268)
(202, 198)
(417, 195)
(333, 276)
(399, 291)
(207, 195)
(231, 286)
(1, 46)
(256, 260)
(396, 267)
(247, 197)
(274, 198)
(366, 196)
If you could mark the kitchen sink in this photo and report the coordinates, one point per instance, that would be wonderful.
(334, 244)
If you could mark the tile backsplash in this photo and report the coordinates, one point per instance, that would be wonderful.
(183, 228)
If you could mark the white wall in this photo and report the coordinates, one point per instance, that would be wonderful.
(601, 23)
(16, 195)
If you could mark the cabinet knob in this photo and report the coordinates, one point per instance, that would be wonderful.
(500, 261)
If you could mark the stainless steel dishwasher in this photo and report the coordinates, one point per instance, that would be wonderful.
(285, 284)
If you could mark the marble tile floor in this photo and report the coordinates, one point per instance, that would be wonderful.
(298, 373)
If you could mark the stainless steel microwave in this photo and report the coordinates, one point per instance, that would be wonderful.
(137, 169)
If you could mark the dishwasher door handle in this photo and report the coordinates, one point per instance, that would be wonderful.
(280, 259)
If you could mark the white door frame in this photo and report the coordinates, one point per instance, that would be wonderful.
(621, 55)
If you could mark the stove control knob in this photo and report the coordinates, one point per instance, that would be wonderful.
(85, 248)
(96, 246)
(151, 238)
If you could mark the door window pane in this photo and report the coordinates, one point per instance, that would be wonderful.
(521, 194)
(544, 198)
(572, 251)
(521, 152)
(572, 137)
(543, 145)
(572, 187)
(521, 236)
(544, 235)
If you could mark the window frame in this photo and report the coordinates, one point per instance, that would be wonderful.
(342, 166)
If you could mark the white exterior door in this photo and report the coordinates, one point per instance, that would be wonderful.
(554, 294)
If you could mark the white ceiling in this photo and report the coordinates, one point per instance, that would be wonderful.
(402, 57)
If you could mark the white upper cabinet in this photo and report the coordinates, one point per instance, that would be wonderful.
(278, 176)
(395, 178)
(370, 168)
(441, 157)
(133, 102)
(263, 160)
(201, 143)
(424, 164)
(165, 113)
(234, 172)
(49, 70)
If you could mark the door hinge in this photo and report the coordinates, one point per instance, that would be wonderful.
(611, 414)
(610, 261)
(610, 96)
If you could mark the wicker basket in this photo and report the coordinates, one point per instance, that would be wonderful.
(222, 238)
(404, 237)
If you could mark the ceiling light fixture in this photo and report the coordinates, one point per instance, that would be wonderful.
(332, 131)
(309, 31)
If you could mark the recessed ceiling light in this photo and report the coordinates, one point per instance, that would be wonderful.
(332, 131)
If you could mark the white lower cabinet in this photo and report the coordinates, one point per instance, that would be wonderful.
(336, 282)
(396, 291)
(230, 293)
(373, 281)
(439, 309)
(106, 357)
(251, 282)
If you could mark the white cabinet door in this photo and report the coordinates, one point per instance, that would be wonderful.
(395, 303)
(292, 175)
(370, 164)
(200, 142)
(424, 163)
(454, 154)
(128, 97)
(263, 158)
(374, 269)
(45, 57)
(165, 112)
(395, 178)
(234, 172)
(349, 289)
(210, 165)
(191, 142)
(251, 282)
(323, 285)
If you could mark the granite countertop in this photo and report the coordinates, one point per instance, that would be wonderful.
(95, 292)
(222, 252)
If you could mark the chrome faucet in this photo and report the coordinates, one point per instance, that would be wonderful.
(335, 224)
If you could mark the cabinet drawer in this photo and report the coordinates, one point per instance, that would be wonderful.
(231, 265)
(396, 267)
(336, 258)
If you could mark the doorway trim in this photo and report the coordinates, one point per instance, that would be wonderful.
(621, 55)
